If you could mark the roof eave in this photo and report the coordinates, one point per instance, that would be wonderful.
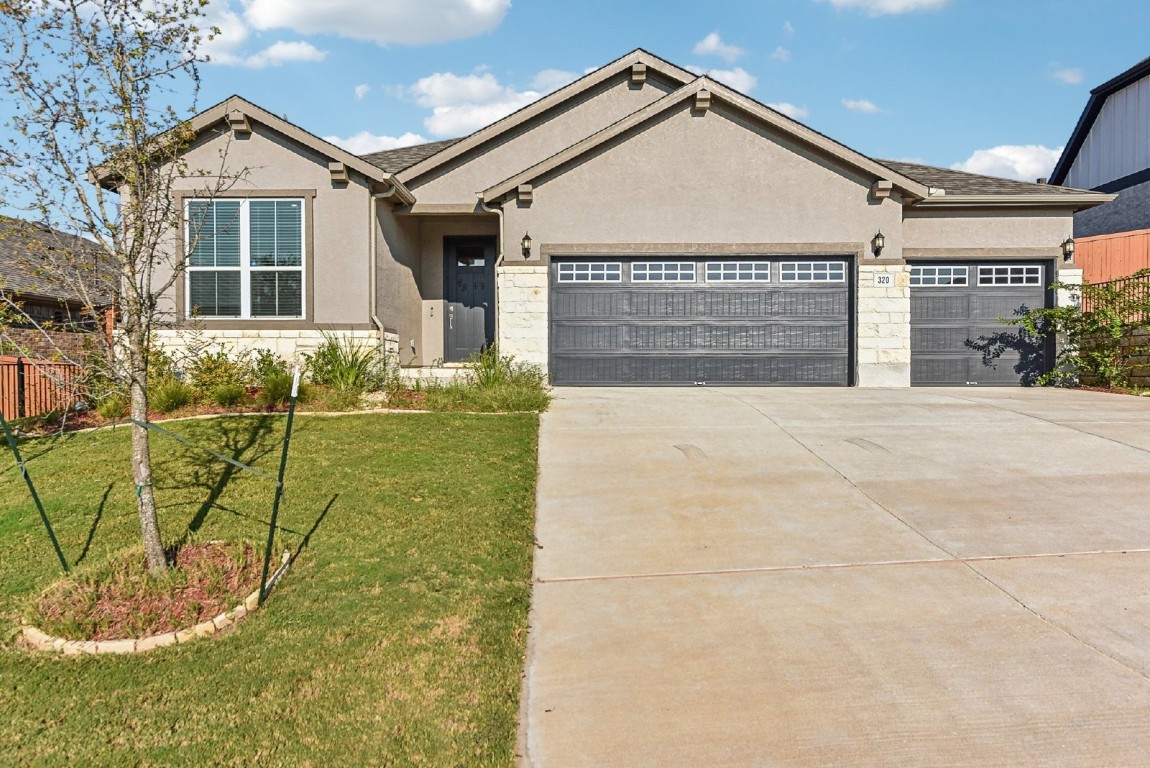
(1077, 202)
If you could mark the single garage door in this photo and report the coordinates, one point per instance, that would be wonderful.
(956, 336)
(683, 320)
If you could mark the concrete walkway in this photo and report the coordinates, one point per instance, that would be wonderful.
(806, 577)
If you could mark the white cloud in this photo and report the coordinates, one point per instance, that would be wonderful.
(713, 45)
(861, 105)
(462, 104)
(365, 142)
(781, 54)
(407, 22)
(1066, 75)
(282, 53)
(227, 48)
(888, 7)
(552, 80)
(788, 30)
(738, 78)
(1025, 162)
(361, 90)
(790, 110)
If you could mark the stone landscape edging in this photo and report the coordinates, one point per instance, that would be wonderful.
(36, 640)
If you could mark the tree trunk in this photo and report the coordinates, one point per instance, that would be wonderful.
(142, 461)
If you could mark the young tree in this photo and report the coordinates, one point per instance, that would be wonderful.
(94, 146)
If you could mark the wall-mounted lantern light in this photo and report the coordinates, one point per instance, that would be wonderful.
(526, 245)
(877, 243)
(1068, 249)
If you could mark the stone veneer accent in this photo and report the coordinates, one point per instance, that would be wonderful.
(523, 318)
(36, 640)
(289, 345)
(883, 326)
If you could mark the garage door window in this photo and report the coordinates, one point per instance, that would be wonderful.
(939, 276)
(595, 272)
(812, 272)
(663, 272)
(1010, 275)
(738, 272)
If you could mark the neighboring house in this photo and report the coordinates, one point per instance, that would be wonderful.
(1109, 151)
(52, 290)
(642, 225)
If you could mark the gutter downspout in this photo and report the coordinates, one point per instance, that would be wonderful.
(498, 258)
(373, 280)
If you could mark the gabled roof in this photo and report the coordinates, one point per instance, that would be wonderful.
(1093, 108)
(747, 105)
(959, 188)
(37, 260)
(214, 115)
(461, 146)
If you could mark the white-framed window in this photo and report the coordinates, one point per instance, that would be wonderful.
(245, 258)
(812, 272)
(1009, 274)
(939, 276)
(663, 272)
(590, 272)
(738, 272)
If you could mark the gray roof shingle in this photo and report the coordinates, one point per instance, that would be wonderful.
(396, 160)
(963, 183)
(38, 260)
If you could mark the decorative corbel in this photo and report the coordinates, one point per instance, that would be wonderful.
(524, 194)
(638, 73)
(338, 172)
(702, 100)
(881, 189)
(239, 122)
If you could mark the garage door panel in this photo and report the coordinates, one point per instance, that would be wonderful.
(957, 336)
(758, 332)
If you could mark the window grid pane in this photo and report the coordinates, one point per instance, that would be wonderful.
(214, 233)
(276, 227)
(277, 293)
(214, 293)
(590, 272)
(938, 276)
(663, 272)
(738, 272)
(812, 272)
(1004, 274)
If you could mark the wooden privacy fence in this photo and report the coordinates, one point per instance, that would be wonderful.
(1108, 257)
(1130, 297)
(32, 387)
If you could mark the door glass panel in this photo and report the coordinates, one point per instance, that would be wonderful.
(470, 256)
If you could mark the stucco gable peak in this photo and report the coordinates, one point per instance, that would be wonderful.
(705, 92)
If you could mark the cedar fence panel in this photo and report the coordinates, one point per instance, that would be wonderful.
(1108, 257)
(31, 387)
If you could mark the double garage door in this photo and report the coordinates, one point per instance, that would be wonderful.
(682, 320)
(957, 334)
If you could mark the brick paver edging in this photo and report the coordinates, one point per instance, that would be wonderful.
(36, 640)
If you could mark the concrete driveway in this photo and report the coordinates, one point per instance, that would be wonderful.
(809, 577)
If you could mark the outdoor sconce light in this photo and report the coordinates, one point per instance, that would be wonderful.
(1068, 249)
(526, 244)
(877, 243)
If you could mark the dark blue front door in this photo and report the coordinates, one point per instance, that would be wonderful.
(469, 290)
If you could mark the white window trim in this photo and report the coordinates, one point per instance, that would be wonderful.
(987, 270)
(965, 274)
(245, 268)
(737, 265)
(677, 266)
(609, 267)
(798, 265)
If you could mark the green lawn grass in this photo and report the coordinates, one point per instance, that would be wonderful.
(396, 638)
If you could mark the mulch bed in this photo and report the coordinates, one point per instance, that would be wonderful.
(124, 602)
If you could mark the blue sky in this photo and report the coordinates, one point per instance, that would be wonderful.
(991, 86)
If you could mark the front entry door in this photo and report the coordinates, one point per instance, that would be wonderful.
(469, 290)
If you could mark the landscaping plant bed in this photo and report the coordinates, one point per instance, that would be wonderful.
(122, 601)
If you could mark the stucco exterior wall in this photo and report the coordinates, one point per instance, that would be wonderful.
(336, 221)
(459, 181)
(986, 231)
(710, 178)
(400, 272)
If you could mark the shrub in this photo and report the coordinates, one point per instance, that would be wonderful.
(275, 390)
(268, 363)
(227, 395)
(161, 366)
(113, 407)
(347, 365)
(170, 394)
(210, 370)
(489, 369)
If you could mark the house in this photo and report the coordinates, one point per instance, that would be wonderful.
(53, 290)
(1109, 151)
(642, 225)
